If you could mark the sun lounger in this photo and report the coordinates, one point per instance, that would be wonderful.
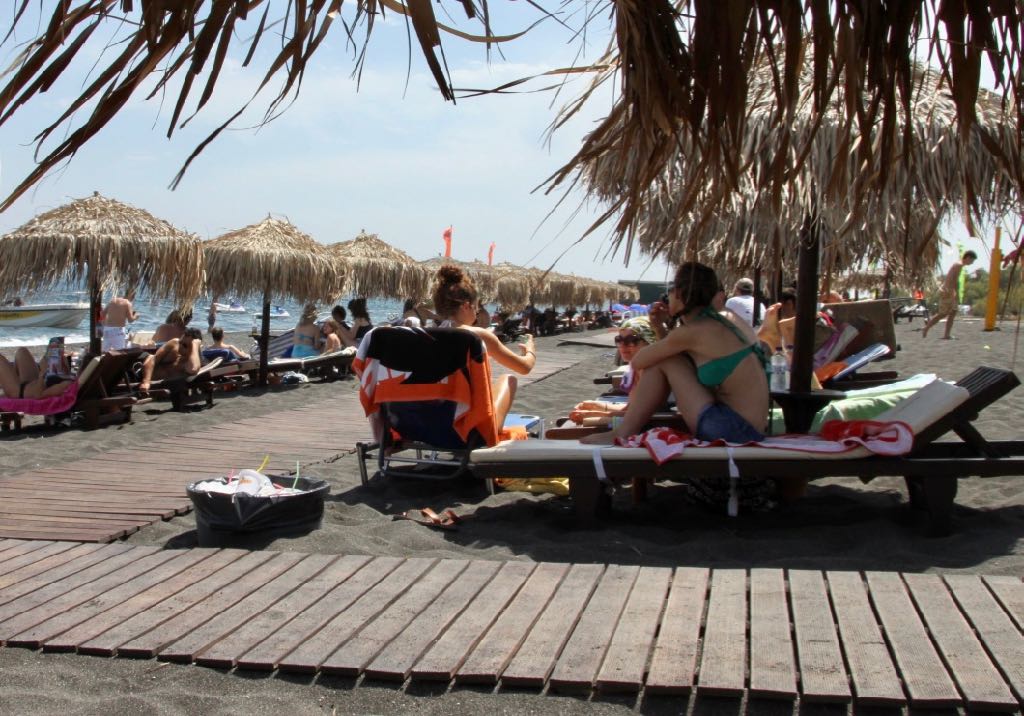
(325, 364)
(187, 390)
(930, 469)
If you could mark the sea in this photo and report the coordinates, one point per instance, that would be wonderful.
(153, 312)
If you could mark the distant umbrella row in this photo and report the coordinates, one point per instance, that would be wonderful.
(105, 243)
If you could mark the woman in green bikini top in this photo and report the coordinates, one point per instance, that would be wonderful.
(715, 368)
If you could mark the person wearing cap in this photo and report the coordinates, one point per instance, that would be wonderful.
(634, 334)
(741, 302)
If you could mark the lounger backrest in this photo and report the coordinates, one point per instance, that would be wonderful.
(86, 375)
(927, 406)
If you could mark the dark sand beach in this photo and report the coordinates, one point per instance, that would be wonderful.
(841, 524)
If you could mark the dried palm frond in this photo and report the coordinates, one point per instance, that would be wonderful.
(269, 259)
(107, 243)
(375, 268)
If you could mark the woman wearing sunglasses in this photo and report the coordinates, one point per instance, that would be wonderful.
(634, 334)
(715, 369)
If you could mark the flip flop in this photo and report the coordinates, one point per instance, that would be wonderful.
(447, 520)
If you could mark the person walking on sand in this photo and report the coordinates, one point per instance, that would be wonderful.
(949, 296)
(115, 317)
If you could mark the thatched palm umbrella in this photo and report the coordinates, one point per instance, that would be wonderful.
(374, 267)
(485, 277)
(828, 194)
(271, 258)
(104, 242)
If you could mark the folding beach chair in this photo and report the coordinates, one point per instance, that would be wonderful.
(431, 392)
(931, 469)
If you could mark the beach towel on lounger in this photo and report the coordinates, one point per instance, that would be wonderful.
(403, 364)
(52, 405)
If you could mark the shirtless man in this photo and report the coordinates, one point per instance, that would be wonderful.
(949, 295)
(176, 358)
(118, 313)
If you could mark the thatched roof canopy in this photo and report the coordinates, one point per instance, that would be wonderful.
(376, 268)
(682, 67)
(272, 258)
(107, 242)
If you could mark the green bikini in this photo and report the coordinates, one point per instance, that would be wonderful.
(715, 372)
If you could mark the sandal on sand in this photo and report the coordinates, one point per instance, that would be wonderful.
(447, 520)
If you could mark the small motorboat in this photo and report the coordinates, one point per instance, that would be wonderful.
(54, 315)
(232, 307)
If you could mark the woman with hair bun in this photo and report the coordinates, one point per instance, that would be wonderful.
(455, 300)
(715, 368)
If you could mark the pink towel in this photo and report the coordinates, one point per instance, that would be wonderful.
(881, 438)
(41, 406)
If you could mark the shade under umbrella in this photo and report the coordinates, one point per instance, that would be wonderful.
(375, 268)
(272, 258)
(105, 243)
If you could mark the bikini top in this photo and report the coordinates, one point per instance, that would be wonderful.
(305, 338)
(715, 372)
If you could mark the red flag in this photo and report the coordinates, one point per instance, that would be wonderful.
(447, 236)
(490, 255)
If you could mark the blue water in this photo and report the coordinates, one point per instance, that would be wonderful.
(153, 313)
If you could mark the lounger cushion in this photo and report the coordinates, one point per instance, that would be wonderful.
(919, 411)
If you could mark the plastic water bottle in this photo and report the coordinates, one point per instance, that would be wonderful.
(780, 371)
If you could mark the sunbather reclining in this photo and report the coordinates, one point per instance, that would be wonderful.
(24, 378)
(713, 365)
(176, 358)
(455, 300)
(220, 349)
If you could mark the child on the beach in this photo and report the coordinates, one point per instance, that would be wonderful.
(949, 296)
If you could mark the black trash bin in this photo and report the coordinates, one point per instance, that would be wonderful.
(221, 518)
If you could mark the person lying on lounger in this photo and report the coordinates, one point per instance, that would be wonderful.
(715, 369)
(219, 349)
(455, 300)
(634, 334)
(24, 378)
(177, 358)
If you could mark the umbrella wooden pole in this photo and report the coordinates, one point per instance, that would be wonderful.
(264, 339)
(95, 344)
(806, 307)
(757, 296)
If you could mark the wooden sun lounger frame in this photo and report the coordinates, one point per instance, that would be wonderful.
(931, 470)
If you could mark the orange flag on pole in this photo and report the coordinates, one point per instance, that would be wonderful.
(490, 255)
(447, 236)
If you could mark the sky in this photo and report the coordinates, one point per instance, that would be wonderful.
(386, 155)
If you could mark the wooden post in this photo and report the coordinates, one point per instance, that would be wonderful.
(806, 306)
(264, 340)
(95, 344)
(994, 267)
(757, 296)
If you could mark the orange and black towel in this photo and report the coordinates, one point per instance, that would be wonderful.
(402, 364)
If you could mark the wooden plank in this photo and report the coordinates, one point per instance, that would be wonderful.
(626, 659)
(39, 551)
(145, 634)
(581, 658)
(978, 679)
(874, 676)
(446, 655)
(106, 594)
(822, 673)
(772, 665)
(497, 647)
(924, 676)
(271, 651)
(47, 532)
(33, 608)
(674, 661)
(357, 652)
(397, 658)
(52, 571)
(13, 548)
(224, 653)
(202, 562)
(536, 658)
(1002, 639)
(1010, 593)
(28, 503)
(226, 620)
(723, 662)
(312, 652)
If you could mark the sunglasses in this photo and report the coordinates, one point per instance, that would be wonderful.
(628, 340)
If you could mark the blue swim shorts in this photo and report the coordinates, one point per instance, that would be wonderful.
(720, 422)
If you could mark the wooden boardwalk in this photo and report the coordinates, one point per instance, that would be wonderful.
(879, 638)
(109, 496)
